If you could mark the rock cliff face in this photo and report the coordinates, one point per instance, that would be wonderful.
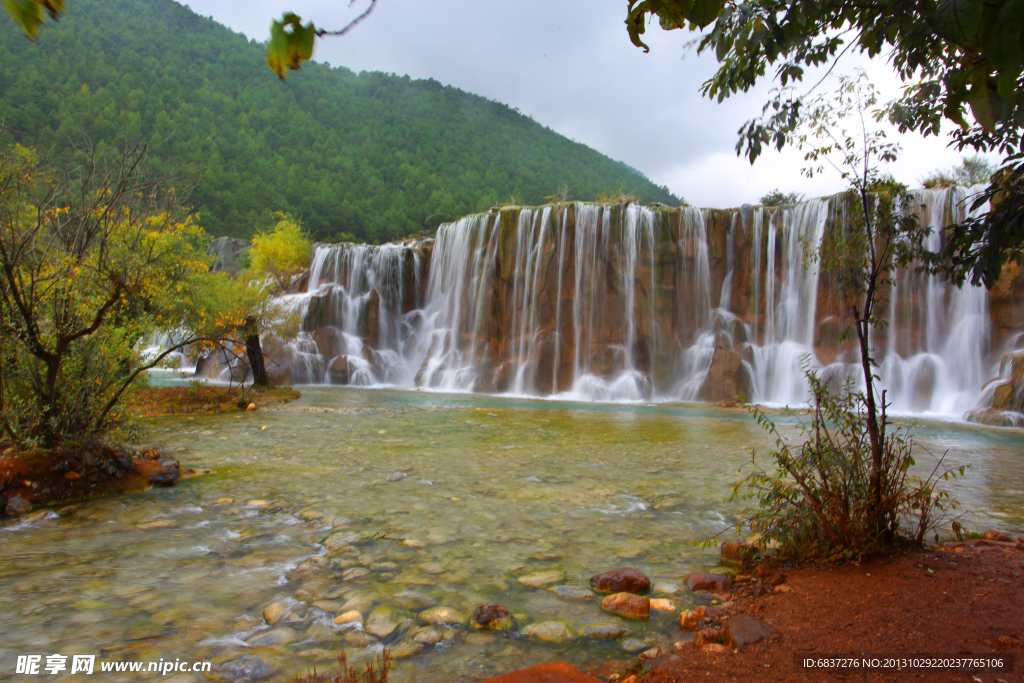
(625, 302)
(227, 250)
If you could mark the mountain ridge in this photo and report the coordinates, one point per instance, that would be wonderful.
(368, 156)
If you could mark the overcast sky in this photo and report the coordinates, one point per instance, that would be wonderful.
(570, 65)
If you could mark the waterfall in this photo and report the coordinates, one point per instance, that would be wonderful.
(623, 302)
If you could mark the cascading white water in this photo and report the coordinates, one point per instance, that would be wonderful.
(614, 303)
(788, 341)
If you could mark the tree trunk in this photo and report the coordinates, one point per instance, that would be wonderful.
(254, 351)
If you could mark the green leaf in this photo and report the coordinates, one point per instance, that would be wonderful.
(959, 21)
(27, 13)
(704, 12)
(287, 49)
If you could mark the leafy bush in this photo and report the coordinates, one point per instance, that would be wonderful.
(971, 171)
(779, 198)
(282, 253)
(818, 501)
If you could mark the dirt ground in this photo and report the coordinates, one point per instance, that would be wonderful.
(957, 600)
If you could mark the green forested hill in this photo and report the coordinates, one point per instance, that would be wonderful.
(370, 154)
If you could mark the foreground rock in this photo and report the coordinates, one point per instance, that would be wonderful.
(743, 630)
(555, 672)
(628, 605)
(621, 581)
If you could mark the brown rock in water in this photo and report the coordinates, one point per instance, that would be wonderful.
(168, 476)
(554, 672)
(339, 370)
(727, 378)
(704, 581)
(736, 551)
(743, 630)
(991, 535)
(621, 581)
(628, 605)
(491, 617)
(689, 620)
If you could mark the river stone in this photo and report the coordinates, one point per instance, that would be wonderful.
(357, 638)
(689, 620)
(246, 668)
(350, 617)
(665, 588)
(16, 505)
(571, 592)
(432, 568)
(39, 516)
(663, 605)
(403, 650)
(442, 615)
(338, 539)
(382, 622)
(413, 601)
(628, 605)
(539, 579)
(275, 612)
(354, 573)
(634, 644)
(550, 631)
(427, 636)
(734, 551)
(491, 617)
(275, 636)
(704, 581)
(604, 631)
(743, 630)
(327, 605)
(621, 581)
(168, 476)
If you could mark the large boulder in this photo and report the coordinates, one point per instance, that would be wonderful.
(727, 378)
(227, 250)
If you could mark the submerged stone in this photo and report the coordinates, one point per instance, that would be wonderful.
(550, 631)
(539, 579)
(604, 631)
(442, 615)
(571, 592)
(382, 622)
(246, 668)
(275, 636)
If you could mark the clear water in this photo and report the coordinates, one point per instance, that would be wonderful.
(483, 491)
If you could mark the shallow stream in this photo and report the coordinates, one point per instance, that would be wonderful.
(430, 500)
